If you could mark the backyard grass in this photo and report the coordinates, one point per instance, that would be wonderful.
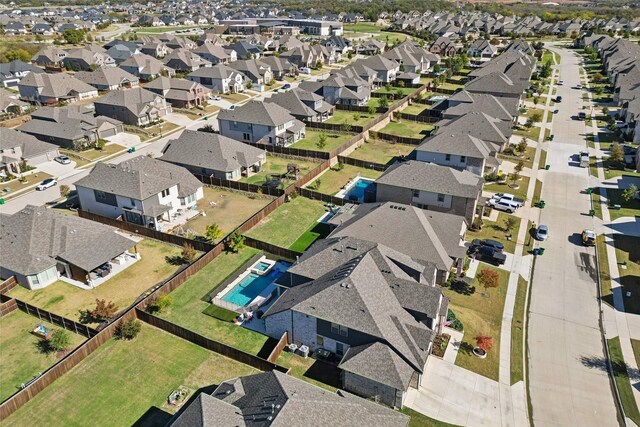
(276, 165)
(286, 224)
(313, 371)
(362, 27)
(526, 157)
(628, 254)
(396, 90)
(379, 151)
(415, 108)
(21, 357)
(122, 380)
(88, 156)
(336, 178)
(312, 137)
(481, 314)
(419, 420)
(192, 298)
(627, 208)
(517, 332)
(315, 231)
(155, 265)
(344, 116)
(603, 270)
(232, 209)
(520, 192)
(408, 128)
(622, 381)
(496, 231)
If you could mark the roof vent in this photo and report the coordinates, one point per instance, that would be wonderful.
(348, 286)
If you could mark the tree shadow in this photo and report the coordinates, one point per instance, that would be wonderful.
(85, 317)
(174, 259)
(618, 367)
(463, 287)
(43, 346)
(466, 348)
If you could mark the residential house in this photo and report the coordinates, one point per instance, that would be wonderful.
(280, 67)
(49, 89)
(87, 59)
(42, 29)
(483, 49)
(13, 28)
(180, 93)
(10, 104)
(49, 56)
(461, 151)
(385, 68)
(303, 105)
(121, 51)
(341, 90)
(138, 106)
(72, 127)
(257, 71)
(145, 67)
(411, 57)
(156, 50)
(464, 102)
(111, 78)
(630, 113)
(257, 121)
(287, 400)
(370, 47)
(482, 126)
(210, 154)
(220, 78)
(245, 50)
(497, 84)
(443, 46)
(185, 60)
(432, 187)
(216, 54)
(17, 148)
(12, 72)
(39, 245)
(143, 190)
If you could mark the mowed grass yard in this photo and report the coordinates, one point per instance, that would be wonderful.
(408, 128)
(379, 151)
(481, 314)
(192, 298)
(496, 230)
(415, 108)
(312, 137)
(335, 178)
(21, 357)
(276, 165)
(155, 265)
(520, 192)
(232, 209)
(286, 224)
(344, 116)
(92, 154)
(122, 380)
(628, 254)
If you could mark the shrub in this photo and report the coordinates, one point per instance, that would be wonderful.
(484, 342)
(160, 304)
(100, 144)
(104, 310)
(188, 253)
(213, 232)
(60, 340)
(128, 330)
(64, 190)
(236, 242)
(488, 278)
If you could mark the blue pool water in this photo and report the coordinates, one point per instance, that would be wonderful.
(248, 288)
(356, 192)
(262, 266)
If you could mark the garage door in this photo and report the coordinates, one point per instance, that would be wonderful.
(108, 132)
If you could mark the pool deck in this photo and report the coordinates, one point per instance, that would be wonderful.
(342, 193)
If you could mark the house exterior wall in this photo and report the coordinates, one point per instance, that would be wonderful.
(34, 281)
(372, 389)
(475, 165)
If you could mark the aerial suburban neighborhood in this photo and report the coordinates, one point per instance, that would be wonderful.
(381, 213)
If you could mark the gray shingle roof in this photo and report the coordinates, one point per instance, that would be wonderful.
(109, 76)
(32, 239)
(257, 112)
(378, 362)
(211, 151)
(56, 85)
(30, 145)
(140, 178)
(456, 144)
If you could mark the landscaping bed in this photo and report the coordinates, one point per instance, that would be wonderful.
(440, 345)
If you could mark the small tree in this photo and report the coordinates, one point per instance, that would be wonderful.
(597, 78)
(488, 278)
(60, 340)
(519, 166)
(346, 127)
(536, 99)
(104, 310)
(515, 176)
(605, 110)
(401, 83)
(599, 90)
(371, 109)
(522, 145)
(64, 190)
(128, 330)
(536, 116)
(529, 122)
(510, 224)
(100, 144)
(484, 343)
(161, 303)
(236, 242)
(356, 117)
(188, 253)
(383, 102)
(322, 140)
(630, 192)
(213, 232)
(617, 153)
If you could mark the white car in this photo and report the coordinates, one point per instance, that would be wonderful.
(63, 160)
(578, 86)
(215, 98)
(47, 183)
(507, 207)
(560, 82)
(542, 233)
(506, 197)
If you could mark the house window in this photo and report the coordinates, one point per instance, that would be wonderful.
(165, 193)
(447, 157)
(416, 193)
(440, 198)
(34, 279)
(339, 329)
(320, 340)
(133, 202)
(463, 159)
(105, 198)
(246, 136)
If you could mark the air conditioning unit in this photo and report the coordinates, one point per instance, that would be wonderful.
(303, 351)
(293, 347)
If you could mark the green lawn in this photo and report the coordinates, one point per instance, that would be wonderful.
(287, 223)
(481, 314)
(622, 381)
(627, 208)
(312, 138)
(156, 264)
(379, 151)
(21, 356)
(419, 420)
(276, 165)
(122, 380)
(496, 231)
(628, 254)
(532, 133)
(408, 128)
(336, 178)
(415, 108)
(30, 180)
(520, 192)
(192, 298)
(517, 332)
(604, 271)
(636, 350)
(537, 191)
(542, 162)
(363, 27)
(344, 116)
(88, 156)
(526, 157)
(396, 90)
(317, 230)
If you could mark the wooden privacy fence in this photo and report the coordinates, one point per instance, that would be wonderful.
(283, 342)
(198, 245)
(8, 307)
(326, 198)
(363, 163)
(396, 139)
(209, 344)
(334, 127)
(8, 284)
(421, 118)
(360, 108)
(47, 316)
(272, 249)
(290, 151)
(240, 186)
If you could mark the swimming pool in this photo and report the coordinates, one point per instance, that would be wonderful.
(249, 288)
(262, 266)
(357, 190)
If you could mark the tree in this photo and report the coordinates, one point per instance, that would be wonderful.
(617, 153)
(188, 253)
(89, 37)
(605, 110)
(64, 190)
(522, 145)
(536, 116)
(104, 310)
(510, 224)
(536, 99)
(519, 166)
(371, 109)
(73, 36)
(515, 176)
(213, 232)
(484, 342)
(630, 192)
(401, 83)
(161, 303)
(488, 278)
(16, 55)
(236, 242)
(128, 330)
(60, 340)
(597, 78)
(356, 117)
(383, 102)
(322, 140)
(100, 143)
(346, 127)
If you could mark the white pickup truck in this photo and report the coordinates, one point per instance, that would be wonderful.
(506, 197)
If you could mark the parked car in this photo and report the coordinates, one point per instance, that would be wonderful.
(488, 254)
(558, 98)
(582, 115)
(305, 70)
(506, 197)
(578, 86)
(560, 82)
(47, 183)
(507, 207)
(287, 86)
(584, 159)
(588, 237)
(542, 232)
(215, 98)
(232, 107)
(493, 244)
(64, 160)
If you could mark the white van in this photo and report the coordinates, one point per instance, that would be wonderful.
(584, 159)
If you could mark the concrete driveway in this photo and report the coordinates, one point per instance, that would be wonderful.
(125, 139)
(178, 119)
(57, 169)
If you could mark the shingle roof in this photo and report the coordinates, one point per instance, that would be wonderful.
(30, 145)
(456, 144)
(211, 151)
(55, 85)
(257, 112)
(137, 100)
(378, 362)
(109, 76)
